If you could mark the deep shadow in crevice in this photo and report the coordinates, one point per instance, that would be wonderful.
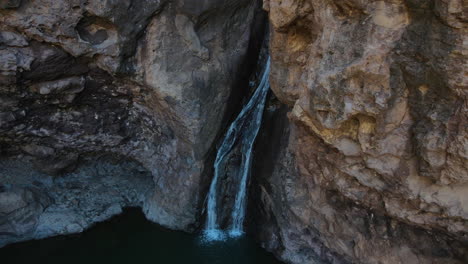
(240, 90)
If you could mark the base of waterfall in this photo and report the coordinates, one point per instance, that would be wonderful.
(130, 238)
(243, 132)
(218, 235)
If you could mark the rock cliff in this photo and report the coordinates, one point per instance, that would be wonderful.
(362, 157)
(151, 81)
(371, 166)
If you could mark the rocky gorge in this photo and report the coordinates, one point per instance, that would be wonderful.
(362, 156)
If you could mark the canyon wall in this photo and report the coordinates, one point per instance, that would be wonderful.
(370, 164)
(362, 157)
(152, 82)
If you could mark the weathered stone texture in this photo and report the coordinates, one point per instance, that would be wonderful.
(377, 91)
(149, 80)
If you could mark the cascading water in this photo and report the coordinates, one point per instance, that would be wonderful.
(244, 129)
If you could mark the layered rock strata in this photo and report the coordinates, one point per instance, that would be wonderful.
(153, 81)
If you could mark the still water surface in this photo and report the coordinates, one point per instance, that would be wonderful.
(130, 238)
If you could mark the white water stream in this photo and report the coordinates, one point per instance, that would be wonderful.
(244, 130)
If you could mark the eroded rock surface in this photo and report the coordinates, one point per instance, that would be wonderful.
(149, 80)
(374, 169)
(35, 205)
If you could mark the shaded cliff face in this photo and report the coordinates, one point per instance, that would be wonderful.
(147, 80)
(373, 168)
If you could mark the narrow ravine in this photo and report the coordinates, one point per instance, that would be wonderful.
(242, 131)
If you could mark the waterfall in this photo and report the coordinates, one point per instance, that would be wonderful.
(244, 129)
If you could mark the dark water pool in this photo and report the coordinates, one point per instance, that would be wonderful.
(130, 238)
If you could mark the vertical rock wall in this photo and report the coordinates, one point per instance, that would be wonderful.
(147, 80)
(374, 167)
